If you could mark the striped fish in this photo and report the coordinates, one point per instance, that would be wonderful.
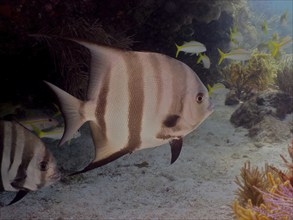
(135, 100)
(26, 165)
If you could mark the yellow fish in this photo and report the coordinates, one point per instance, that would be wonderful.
(192, 47)
(55, 133)
(41, 123)
(205, 60)
(211, 89)
(238, 54)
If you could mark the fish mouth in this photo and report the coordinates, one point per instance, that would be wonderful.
(55, 177)
(211, 107)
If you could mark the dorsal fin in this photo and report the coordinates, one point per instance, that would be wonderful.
(102, 58)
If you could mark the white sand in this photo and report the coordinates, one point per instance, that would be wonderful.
(199, 185)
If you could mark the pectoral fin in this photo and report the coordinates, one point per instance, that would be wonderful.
(19, 180)
(19, 196)
(176, 146)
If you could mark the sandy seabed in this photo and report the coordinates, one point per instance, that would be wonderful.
(143, 185)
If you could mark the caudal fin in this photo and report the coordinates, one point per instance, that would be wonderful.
(178, 50)
(222, 56)
(200, 58)
(70, 107)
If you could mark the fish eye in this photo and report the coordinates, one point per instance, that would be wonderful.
(43, 166)
(199, 98)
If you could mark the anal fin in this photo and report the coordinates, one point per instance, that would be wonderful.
(176, 146)
(102, 162)
(19, 196)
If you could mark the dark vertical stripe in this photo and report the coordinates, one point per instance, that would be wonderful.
(46, 158)
(1, 151)
(178, 81)
(157, 74)
(27, 155)
(13, 144)
(179, 88)
(136, 99)
(101, 106)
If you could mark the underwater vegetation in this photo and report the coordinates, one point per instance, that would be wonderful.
(284, 78)
(257, 74)
(265, 195)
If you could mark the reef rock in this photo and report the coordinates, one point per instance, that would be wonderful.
(270, 130)
(264, 115)
(231, 98)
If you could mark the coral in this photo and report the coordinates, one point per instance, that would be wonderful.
(257, 74)
(278, 204)
(284, 78)
(274, 195)
(278, 201)
(270, 130)
(247, 213)
(267, 103)
(249, 178)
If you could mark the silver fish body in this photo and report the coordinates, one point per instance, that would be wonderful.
(26, 164)
(136, 100)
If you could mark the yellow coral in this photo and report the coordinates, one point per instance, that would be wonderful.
(247, 213)
(264, 211)
(256, 74)
(275, 192)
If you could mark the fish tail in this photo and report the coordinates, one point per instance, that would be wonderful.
(71, 109)
(200, 58)
(210, 89)
(37, 130)
(222, 56)
(178, 50)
